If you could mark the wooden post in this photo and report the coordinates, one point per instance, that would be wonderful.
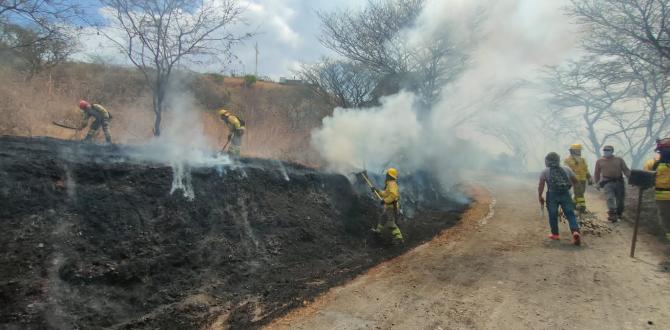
(637, 221)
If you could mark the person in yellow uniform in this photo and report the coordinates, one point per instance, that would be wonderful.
(236, 128)
(101, 116)
(578, 166)
(390, 199)
(649, 164)
(661, 164)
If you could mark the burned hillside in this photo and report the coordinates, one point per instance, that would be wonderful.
(94, 238)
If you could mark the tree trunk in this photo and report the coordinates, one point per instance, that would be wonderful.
(158, 111)
(157, 124)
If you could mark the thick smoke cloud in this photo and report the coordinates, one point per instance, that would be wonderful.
(349, 137)
(492, 102)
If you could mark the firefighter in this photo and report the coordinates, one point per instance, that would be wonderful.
(236, 127)
(388, 222)
(649, 164)
(578, 166)
(101, 116)
(662, 183)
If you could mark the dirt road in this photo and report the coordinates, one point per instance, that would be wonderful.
(499, 271)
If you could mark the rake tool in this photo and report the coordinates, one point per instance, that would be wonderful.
(65, 126)
(364, 175)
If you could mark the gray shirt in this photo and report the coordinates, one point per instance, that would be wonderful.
(544, 175)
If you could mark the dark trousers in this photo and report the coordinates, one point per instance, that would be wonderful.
(664, 214)
(615, 191)
(93, 131)
(564, 200)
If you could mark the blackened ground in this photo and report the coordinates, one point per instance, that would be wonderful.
(93, 238)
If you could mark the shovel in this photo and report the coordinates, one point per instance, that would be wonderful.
(364, 175)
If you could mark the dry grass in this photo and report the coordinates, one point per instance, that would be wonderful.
(279, 118)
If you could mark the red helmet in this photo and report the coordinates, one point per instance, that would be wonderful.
(84, 105)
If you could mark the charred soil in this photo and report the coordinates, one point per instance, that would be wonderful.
(93, 238)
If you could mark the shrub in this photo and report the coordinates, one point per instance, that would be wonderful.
(249, 80)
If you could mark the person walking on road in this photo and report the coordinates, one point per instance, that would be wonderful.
(558, 180)
(578, 165)
(609, 174)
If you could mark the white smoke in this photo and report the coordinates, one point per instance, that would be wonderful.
(511, 42)
(349, 137)
(182, 143)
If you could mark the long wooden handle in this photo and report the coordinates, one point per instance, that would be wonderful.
(365, 177)
(637, 221)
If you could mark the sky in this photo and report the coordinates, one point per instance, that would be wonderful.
(286, 32)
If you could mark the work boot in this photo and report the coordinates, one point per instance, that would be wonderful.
(397, 242)
(576, 238)
(378, 229)
(612, 216)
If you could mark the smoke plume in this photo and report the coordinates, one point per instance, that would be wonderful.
(492, 107)
(183, 144)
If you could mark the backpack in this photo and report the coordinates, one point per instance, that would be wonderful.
(558, 180)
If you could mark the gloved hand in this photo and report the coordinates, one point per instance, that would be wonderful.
(382, 202)
(373, 189)
(590, 182)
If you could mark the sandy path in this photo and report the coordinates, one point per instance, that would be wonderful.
(501, 272)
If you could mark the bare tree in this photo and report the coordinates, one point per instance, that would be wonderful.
(633, 38)
(514, 139)
(583, 95)
(160, 34)
(45, 18)
(374, 37)
(638, 28)
(345, 83)
(33, 51)
(371, 36)
(649, 119)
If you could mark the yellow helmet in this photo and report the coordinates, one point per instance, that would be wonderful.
(576, 146)
(392, 172)
(224, 113)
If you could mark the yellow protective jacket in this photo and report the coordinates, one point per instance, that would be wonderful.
(650, 163)
(390, 194)
(662, 181)
(97, 111)
(579, 167)
(234, 124)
